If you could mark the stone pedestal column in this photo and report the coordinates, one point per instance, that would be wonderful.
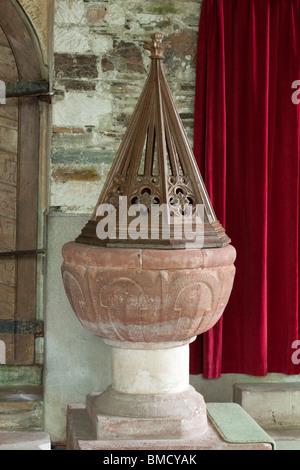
(150, 396)
(159, 370)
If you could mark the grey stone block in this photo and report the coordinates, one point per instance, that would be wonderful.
(25, 440)
(270, 404)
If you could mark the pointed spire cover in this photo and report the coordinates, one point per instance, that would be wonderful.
(155, 167)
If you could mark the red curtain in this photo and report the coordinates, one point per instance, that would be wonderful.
(247, 146)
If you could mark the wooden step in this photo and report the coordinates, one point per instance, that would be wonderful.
(21, 408)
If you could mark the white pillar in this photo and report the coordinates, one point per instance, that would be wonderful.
(153, 371)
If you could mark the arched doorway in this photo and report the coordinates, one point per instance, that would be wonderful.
(20, 66)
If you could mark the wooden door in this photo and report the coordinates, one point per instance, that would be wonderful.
(19, 169)
(9, 138)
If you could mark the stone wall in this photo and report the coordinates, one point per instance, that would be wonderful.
(99, 70)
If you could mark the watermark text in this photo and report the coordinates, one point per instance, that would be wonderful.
(296, 353)
(296, 94)
(157, 222)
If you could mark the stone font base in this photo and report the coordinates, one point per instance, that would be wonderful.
(81, 435)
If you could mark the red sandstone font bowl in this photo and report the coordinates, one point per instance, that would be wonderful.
(145, 296)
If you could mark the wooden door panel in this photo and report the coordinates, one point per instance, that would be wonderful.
(8, 196)
(8, 272)
(7, 61)
(7, 295)
(8, 200)
(8, 137)
(7, 235)
(8, 167)
(10, 112)
(19, 170)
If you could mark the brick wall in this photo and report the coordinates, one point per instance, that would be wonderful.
(100, 68)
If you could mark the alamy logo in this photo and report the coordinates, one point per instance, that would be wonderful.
(296, 354)
(2, 92)
(295, 95)
(156, 222)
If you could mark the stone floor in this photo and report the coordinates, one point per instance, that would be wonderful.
(285, 438)
(21, 419)
(21, 408)
(24, 440)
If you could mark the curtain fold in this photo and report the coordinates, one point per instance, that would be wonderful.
(246, 143)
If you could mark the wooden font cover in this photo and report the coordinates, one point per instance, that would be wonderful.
(155, 167)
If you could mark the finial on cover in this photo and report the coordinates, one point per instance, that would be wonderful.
(157, 47)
